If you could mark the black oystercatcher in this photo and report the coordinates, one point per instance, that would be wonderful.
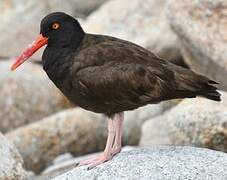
(108, 75)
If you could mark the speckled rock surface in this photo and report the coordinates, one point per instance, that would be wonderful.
(25, 95)
(197, 122)
(66, 162)
(143, 23)
(158, 163)
(74, 130)
(11, 163)
(202, 29)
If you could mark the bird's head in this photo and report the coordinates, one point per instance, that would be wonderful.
(57, 30)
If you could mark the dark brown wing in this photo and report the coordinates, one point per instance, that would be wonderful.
(120, 87)
(119, 76)
(116, 75)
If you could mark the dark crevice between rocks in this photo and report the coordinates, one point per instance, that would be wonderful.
(180, 62)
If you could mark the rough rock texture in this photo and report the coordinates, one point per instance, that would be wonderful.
(25, 95)
(66, 162)
(20, 20)
(197, 122)
(158, 163)
(135, 119)
(202, 29)
(75, 130)
(26, 16)
(143, 23)
(11, 163)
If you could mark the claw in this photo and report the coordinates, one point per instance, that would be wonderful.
(89, 168)
(100, 160)
(77, 164)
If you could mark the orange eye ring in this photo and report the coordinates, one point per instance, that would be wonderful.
(55, 26)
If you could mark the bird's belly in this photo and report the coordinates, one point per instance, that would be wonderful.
(88, 103)
(77, 93)
(98, 105)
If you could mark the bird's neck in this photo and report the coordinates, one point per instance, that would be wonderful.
(56, 62)
(57, 54)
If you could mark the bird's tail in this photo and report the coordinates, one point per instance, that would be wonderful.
(209, 91)
(190, 84)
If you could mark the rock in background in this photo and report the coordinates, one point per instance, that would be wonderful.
(11, 163)
(140, 22)
(202, 30)
(26, 95)
(20, 20)
(75, 130)
(84, 8)
(134, 119)
(157, 163)
(195, 122)
(30, 11)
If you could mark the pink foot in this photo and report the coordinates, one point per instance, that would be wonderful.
(87, 161)
(95, 161)
(100, 160)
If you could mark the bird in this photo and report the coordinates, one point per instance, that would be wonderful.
(108, 75)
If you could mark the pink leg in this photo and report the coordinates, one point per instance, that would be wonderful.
(118, 121)
(106, 155)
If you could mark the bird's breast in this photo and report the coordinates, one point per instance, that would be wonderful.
(73, 88)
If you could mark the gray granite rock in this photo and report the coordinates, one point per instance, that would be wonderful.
(66, 162)
(25, 95)
(83, 8)
(26, 16)
(202, 29)
(195, 122)
(74, 130)
(158, 163)
(11, 163)
(141, 22)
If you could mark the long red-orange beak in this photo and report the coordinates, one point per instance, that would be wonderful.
(37, 44)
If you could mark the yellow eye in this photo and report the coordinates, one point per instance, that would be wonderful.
(55, 26)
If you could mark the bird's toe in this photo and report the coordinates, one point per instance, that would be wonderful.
(100, 160)
(115, 150)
